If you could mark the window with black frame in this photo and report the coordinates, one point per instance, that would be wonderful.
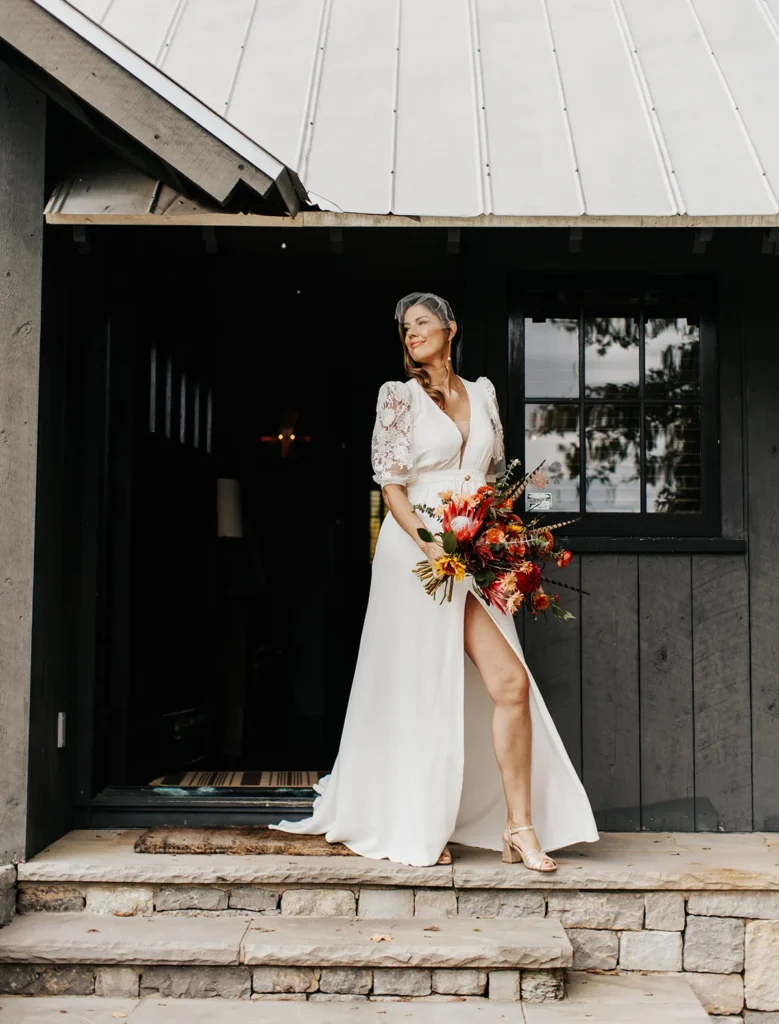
(618, 402)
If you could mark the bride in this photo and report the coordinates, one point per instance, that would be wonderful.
(446, 735)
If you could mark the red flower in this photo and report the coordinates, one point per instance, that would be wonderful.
(540, 601)
(528, 577)
(564, 558)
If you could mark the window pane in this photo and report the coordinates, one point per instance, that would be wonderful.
(552, 359)
(611, 366)
(612, 458)
(672, 353)
(673, 459)
(552, 433)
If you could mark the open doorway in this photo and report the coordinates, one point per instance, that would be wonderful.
(240, 520)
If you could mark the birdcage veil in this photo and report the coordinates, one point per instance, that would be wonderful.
(438, 307)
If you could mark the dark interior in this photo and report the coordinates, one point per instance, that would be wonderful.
(256, 364)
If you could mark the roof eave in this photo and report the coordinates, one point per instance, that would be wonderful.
(144, 103)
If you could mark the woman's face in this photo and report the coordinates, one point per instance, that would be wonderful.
(424, 335)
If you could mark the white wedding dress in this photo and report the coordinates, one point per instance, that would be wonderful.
(416, 768)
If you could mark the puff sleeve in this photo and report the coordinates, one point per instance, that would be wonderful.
(391, 444)
(497, 465)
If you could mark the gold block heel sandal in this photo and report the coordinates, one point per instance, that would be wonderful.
(513, 853)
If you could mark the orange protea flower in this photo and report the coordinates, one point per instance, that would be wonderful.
(540, 600)
(564, 558)
(514, 603)
(516, 528)
(445, 496)
(495, 535)
(450, 565)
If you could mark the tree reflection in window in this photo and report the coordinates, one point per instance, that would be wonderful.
(625, 430)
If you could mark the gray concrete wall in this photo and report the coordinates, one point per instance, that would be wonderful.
(22, 150)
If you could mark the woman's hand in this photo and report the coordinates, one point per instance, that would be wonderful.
(433, 550)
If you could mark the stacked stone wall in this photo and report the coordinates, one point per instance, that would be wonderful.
(725, 943)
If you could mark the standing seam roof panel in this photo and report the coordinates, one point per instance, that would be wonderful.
(531, 161)
(669, 128)
(204, 53)
(437, 167)
(353, 132)
(747, 49)
(709, 151)
(620, 167)
(270, 94)
(141, 26)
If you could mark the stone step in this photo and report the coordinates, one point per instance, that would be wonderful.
(84, 938)
(610, 1000)
(621, 861)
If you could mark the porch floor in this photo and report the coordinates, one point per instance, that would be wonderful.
(620, 861)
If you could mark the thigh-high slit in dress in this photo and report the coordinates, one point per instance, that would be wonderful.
(415, 767)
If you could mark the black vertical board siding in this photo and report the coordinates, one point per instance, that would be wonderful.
(610, 690)
(762, 374)
(665, 630)
(553, 655)
(723, 743)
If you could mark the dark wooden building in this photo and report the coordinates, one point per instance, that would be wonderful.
(182, 375)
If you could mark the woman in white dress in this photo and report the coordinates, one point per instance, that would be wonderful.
(446, 736)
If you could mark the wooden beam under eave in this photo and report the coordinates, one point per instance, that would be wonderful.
(326, 219)
(154, 122)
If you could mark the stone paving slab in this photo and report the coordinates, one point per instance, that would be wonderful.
(635, 861)
(75, 1009)
(621, 999)
(409, 942)
(82, 938)
(619, 860)
(90, 855)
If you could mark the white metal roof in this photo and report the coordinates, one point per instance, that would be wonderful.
(457, 108)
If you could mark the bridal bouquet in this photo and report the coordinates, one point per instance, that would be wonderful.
(483, 537)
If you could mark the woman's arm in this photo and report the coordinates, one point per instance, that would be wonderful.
(396, 499)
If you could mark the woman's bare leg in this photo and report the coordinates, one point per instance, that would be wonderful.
(507, 683)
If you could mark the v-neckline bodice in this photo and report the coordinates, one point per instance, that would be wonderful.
(469, 421)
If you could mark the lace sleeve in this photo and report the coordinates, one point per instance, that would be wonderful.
(498, 462)
(391, 448)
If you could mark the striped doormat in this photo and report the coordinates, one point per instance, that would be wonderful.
(239, 780)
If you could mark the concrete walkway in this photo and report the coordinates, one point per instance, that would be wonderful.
(633, 999)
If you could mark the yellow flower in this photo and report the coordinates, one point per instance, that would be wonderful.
(445, 496)
(450, 565)
(516, 528)
(514, 602)
(438, 511)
